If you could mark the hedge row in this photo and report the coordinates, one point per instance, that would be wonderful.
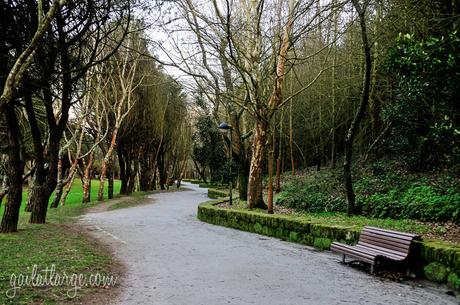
(214, 194)
(433, 258)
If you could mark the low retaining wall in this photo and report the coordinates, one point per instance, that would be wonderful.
(214, 194)
(437, 261)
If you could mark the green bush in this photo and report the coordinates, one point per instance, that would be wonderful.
(381, 192)
(426, 203)
(313, 194)
(424, 113)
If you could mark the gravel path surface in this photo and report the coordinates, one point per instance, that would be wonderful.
(173, 258)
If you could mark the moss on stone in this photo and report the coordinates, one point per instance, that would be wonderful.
(257, 227)
(293, 236)
(309, 240)
(214, 194)
(436, 272)
(322, 243)
(453, 281)
(302, 231)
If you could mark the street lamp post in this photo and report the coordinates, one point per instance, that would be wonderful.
(224, 127)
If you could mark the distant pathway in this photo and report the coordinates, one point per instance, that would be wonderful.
(173, 258)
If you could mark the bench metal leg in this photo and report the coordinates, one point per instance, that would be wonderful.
(343, 259)
(372, 268)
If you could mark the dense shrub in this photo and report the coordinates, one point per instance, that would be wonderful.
(208, 148)
(381, 193)
(424, 114)
(418, 202)
(313, 194)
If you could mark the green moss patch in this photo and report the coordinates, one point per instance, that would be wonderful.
(322, 243)
(436, 272)
(453, 281)
(214, 193)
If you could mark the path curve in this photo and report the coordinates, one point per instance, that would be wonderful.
(174, 259)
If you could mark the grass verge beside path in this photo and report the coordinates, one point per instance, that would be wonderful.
(75, 195)
(66, 246)
(58, 243)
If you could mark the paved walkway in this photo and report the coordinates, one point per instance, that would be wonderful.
(173, 258)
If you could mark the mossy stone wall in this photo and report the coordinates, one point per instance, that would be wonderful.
(214, 194)
(321, 236)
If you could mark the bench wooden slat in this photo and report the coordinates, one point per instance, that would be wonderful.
(378, 248)
(411, 235)
(385, 243)
(403, 239)
(375, 242)
(354, 252)
(377, 252)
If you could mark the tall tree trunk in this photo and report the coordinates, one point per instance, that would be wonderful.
(30, 184)
(154, 179)
(15, 170)
(4, 188)
(200, 172)
(270, 175)
(45, 187)
(68, 187)
(42, 189)
(132, 177)
(255, 199)
(123, 175)
(57, 194)
(145, 173)
(107, 159)
(162, 172)
(374, 105)
(291, 139)
(87, 190)
(280, 153)
(243, 177)
(352, 208)
(110, 175)
(41, 192)
(39, 201)
(60, 184)
(87, 179)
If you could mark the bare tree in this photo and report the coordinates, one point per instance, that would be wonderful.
(240, 35)
(123, 77)
(361, 10)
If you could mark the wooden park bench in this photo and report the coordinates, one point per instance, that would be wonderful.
(376, 244)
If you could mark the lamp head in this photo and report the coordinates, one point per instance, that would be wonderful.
(224, 127)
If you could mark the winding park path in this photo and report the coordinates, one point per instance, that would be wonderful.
(173, 258)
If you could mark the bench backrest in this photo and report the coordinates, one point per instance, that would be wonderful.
(392, 240)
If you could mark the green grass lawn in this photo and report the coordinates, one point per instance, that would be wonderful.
(75, 195)
(55, 243)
